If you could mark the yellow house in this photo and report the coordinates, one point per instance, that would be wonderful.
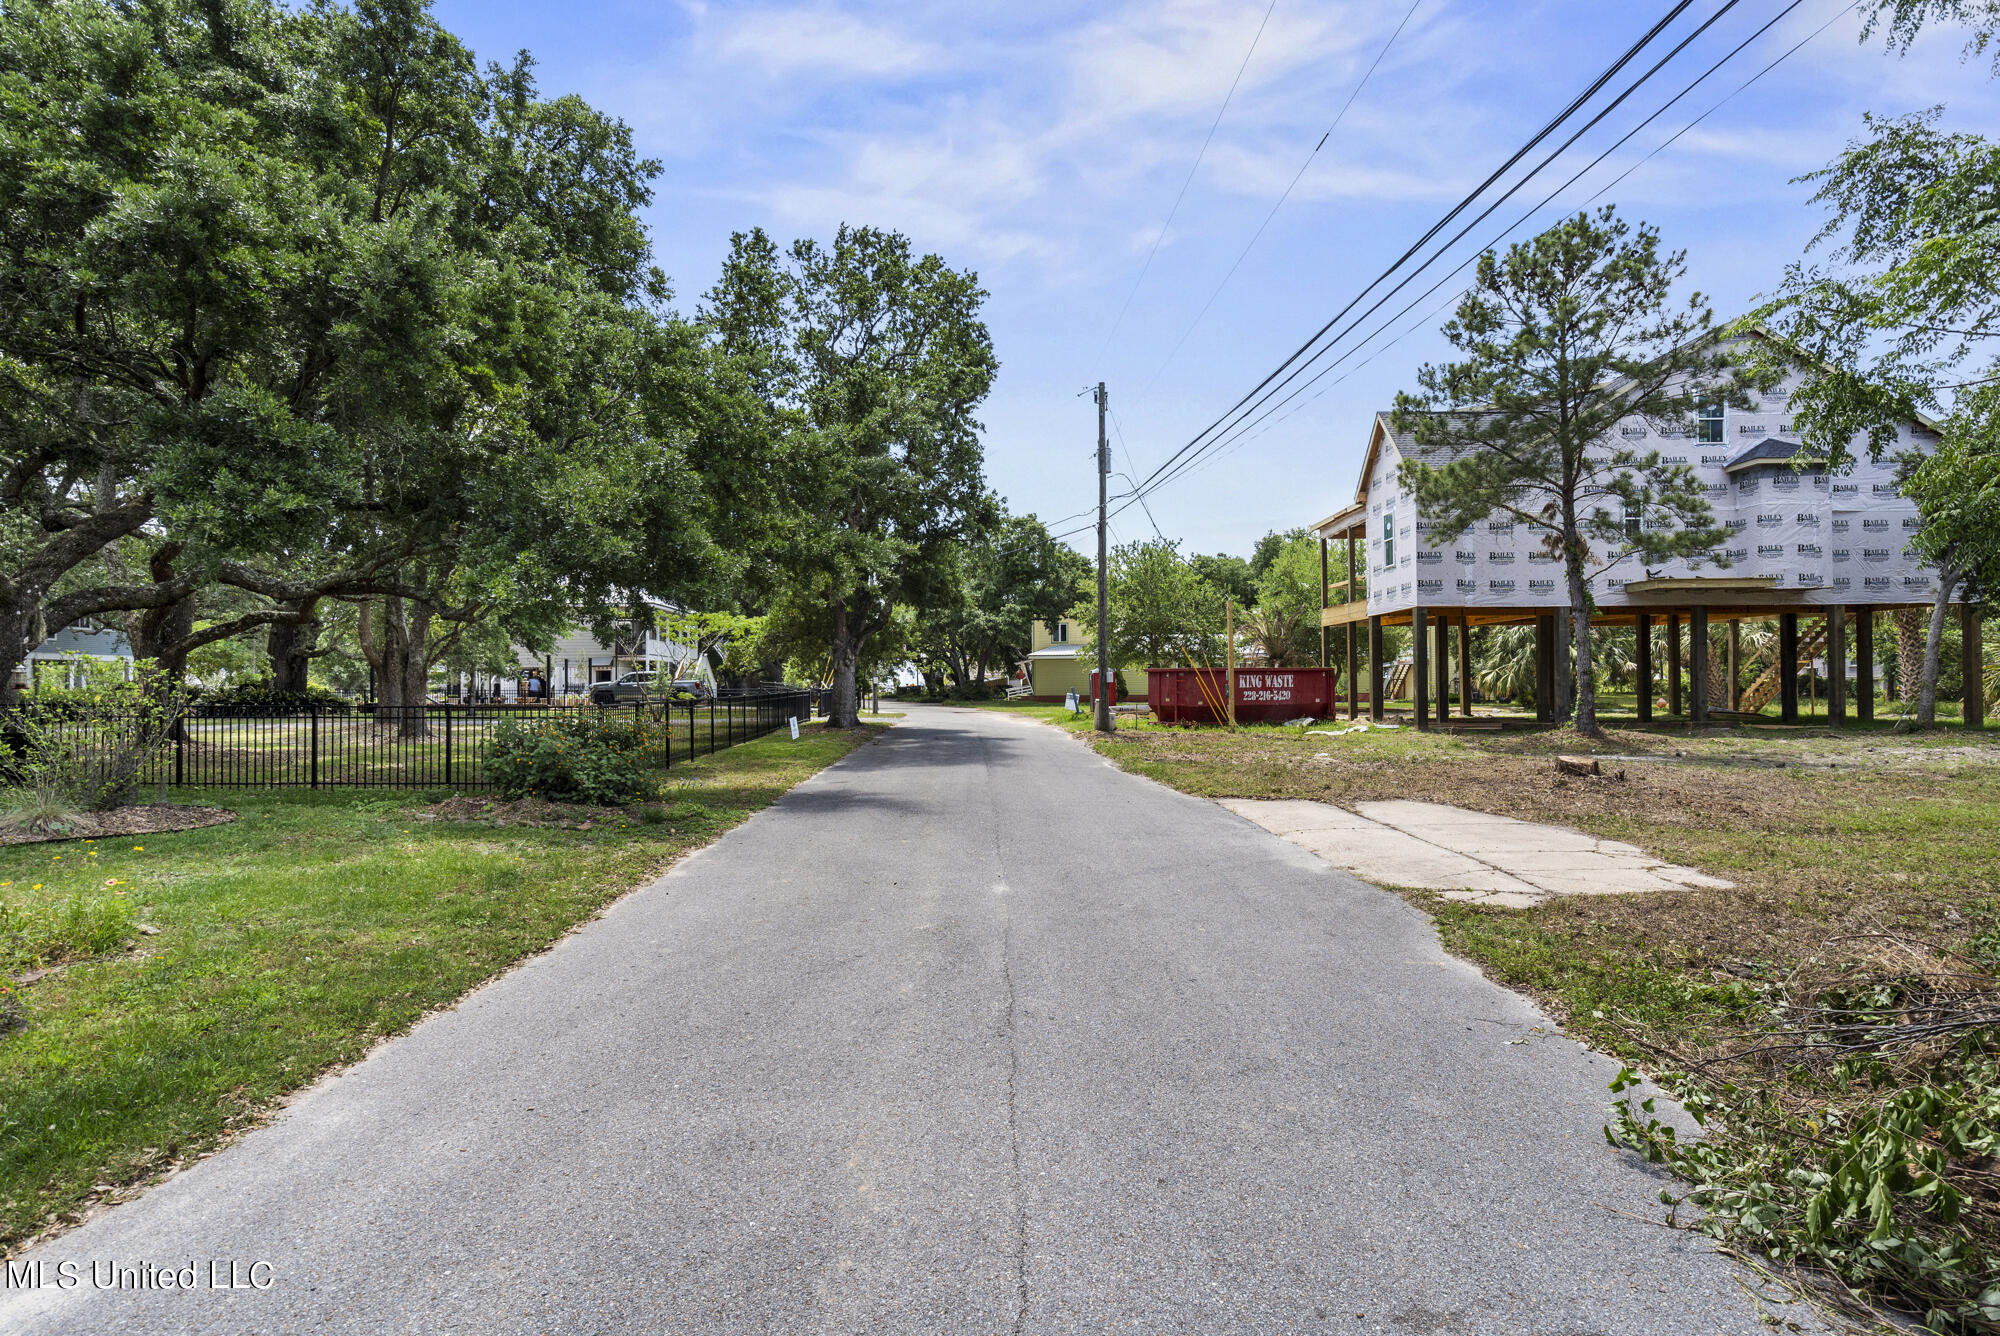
(1056, 666)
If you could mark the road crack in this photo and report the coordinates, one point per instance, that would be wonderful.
(1013, 1065)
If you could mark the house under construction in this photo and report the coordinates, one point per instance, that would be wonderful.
(1818, 552)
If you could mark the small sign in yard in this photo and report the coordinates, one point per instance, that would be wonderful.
(795, 728)
(1070, 701)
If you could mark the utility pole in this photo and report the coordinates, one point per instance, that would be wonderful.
(1102, 715)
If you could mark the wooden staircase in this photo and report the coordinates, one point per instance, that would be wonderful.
(1399, 681)
(1812, 639)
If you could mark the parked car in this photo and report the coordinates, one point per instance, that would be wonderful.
(644, 686)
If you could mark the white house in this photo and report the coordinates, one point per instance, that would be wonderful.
(577, 660)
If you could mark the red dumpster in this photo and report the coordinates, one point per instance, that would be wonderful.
(1263, 695)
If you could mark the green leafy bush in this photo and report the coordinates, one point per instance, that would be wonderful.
(86, 749)
(582, 756)
(259, 698)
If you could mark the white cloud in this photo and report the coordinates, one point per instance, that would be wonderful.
(825, 42)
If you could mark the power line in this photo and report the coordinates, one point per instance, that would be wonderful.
(1245, 425)
(1548, 129)
(1119, 428)
(1258, 36)
(1837, 15)
(1245, 420)
(1291, 186)
(1240, 441)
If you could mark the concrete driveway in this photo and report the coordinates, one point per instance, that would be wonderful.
(971, 1033)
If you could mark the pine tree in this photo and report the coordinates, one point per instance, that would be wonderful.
(1563, 336)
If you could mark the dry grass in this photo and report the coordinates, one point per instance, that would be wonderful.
(1824, 836)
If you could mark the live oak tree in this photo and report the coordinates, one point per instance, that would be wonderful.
(997, 585)
(871, 362)
(163, 275)
(1563, 336)
(301, 303)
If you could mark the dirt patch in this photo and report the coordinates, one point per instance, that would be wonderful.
(139, 819)
(522, 812)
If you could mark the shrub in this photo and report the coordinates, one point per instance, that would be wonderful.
(259, 698)
(88, 749)
(582, 756)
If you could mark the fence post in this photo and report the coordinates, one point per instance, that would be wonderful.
(180, 742)
(447, 743)
(315, 744)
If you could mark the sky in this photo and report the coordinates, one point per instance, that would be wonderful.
(1044, 146)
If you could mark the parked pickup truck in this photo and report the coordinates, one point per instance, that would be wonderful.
(644, 686)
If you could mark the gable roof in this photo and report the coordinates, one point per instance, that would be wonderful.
(1772, 451)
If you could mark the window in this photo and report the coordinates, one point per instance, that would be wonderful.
(1062, 633)
(1708, 424)
(1389, 549)
(1635, 520)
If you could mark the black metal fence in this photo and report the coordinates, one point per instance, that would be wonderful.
(413, 747)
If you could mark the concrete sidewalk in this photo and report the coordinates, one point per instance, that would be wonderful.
(1475, 856)
(970, 1033)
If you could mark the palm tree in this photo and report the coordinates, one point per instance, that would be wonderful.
(1283, 638)
(1506, 664)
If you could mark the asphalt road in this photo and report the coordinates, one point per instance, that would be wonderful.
(971, 1033)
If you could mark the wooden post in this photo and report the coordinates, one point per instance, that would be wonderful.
(1788, 667)
(1972, 665)
(1545, 667)
(1734, 694)
(1864, 664)
(1442, 634)
(1673, 663)
(1642, 651)
(1420, 666)
(1465, 667)
(1323, 588)
(1836, 664)
(1229, 636)
(1353, 670)
(1375, 705)
(1354, 634)
(1697, 666)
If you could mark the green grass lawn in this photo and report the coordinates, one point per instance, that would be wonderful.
(281, 945)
